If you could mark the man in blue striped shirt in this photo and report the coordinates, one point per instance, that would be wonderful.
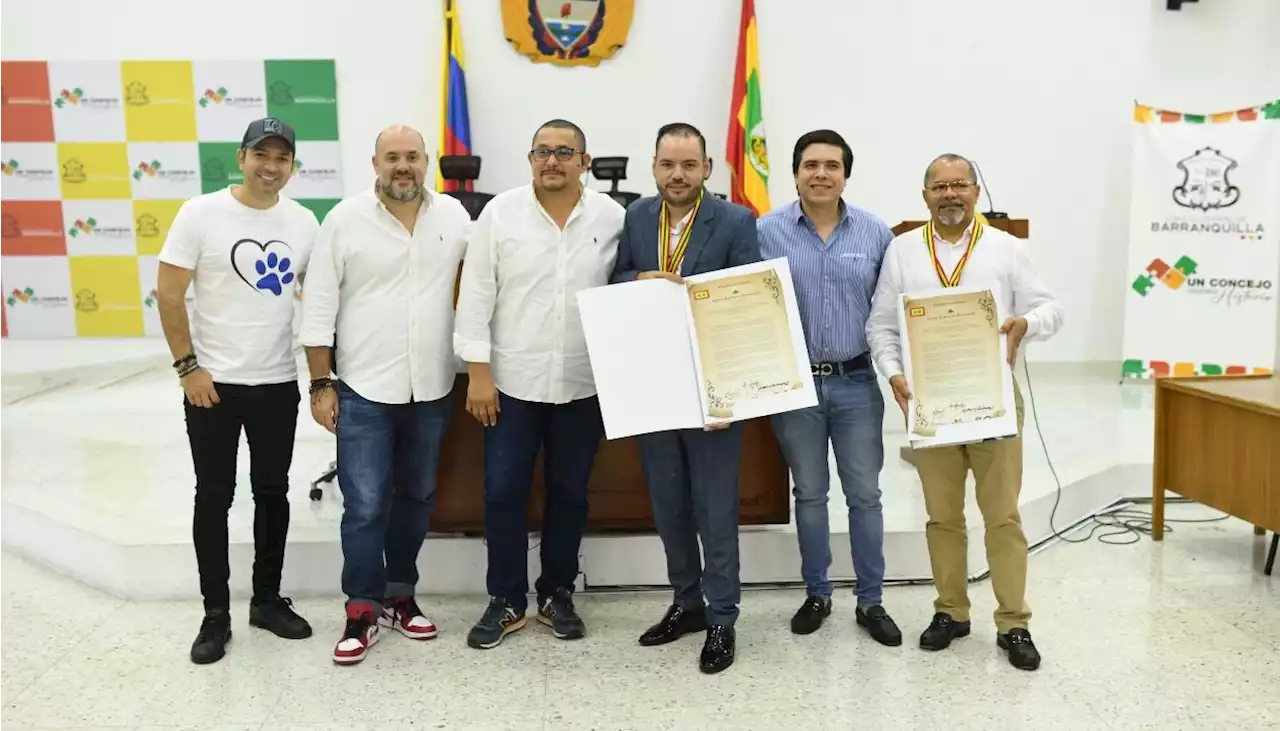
(834, 250)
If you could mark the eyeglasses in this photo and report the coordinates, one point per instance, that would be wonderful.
(563, 154)
(959, 186)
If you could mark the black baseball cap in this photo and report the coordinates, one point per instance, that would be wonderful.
(260, 129)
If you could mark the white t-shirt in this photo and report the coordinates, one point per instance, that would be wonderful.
(246, 262)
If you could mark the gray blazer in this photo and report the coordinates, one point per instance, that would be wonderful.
(724, 235)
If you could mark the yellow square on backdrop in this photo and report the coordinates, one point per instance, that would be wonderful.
(159, 101)
(151, 222)
(94, 170)
(106, 296)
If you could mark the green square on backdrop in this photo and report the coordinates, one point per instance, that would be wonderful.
(305, 95)
(219, 166)
(319, 206)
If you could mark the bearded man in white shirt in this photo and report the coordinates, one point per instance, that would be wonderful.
(957, 248)
(518, 328)
(244, 248)
(381, 286)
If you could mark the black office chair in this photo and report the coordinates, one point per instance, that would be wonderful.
(463, 169)
(331, 473)
(1271, 555)
(614, 170)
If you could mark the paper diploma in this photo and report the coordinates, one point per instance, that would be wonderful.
(744, 340)
(955, 359)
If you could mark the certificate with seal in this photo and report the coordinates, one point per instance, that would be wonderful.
(726, 346)
(748, 345)
(954, 361)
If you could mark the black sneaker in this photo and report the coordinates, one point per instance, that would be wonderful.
(557, 613)
(211, 642)
(498, 621)
(808, 618)
(879, 625)
(277, 616)
(1023, 654)
(941, 631)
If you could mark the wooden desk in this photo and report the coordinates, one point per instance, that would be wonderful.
(1217, 442)
(619, 497)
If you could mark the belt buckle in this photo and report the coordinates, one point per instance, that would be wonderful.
(823, 369)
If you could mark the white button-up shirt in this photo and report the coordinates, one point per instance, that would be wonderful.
(998, 257)
(388, 296)
(518, 305)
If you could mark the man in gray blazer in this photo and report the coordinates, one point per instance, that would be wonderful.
(692, 474)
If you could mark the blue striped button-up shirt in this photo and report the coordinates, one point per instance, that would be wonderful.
(834, 281)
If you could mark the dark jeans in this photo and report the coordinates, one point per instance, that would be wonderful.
(569, 434)
(269, 416)
(387, 460)
(693, 483)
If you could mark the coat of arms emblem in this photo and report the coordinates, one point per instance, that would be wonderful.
(1205, 181)
(567, 32)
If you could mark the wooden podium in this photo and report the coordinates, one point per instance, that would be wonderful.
(1019, 227)
(619, 498)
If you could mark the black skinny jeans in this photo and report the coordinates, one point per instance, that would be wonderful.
(269, 416)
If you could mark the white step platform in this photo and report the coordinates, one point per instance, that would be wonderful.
(97, 483)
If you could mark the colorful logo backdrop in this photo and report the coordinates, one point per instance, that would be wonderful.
(97, 157)
(1204, 243)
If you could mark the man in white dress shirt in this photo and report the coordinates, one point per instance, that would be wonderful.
(381, 286)
(518, 329)
(957, 248)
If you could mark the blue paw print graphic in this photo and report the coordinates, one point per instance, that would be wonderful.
(273, 273)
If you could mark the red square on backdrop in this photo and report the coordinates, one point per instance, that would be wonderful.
(32, 228)
(26, 111)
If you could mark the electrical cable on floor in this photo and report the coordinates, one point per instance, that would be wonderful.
(1119, 526)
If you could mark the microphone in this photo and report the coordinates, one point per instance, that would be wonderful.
(992, 213)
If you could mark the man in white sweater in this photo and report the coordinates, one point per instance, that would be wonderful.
(957, 248)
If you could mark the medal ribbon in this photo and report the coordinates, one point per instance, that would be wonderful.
(954, 279)
(669, 260)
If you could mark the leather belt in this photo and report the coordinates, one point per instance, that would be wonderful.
(828, 368)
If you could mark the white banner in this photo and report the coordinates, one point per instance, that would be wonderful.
(1204, 243)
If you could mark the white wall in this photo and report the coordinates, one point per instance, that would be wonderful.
(1039, 92)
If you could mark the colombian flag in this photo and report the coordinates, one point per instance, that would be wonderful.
(746, 151)
(455, 121)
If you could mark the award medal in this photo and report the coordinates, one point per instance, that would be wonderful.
(954, 279)
(669, 260)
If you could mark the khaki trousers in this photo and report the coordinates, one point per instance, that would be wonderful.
(997, 470)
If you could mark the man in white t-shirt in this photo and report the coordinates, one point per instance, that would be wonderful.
(381, 285)
(245, 248)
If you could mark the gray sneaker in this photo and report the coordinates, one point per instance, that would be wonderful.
(498, 621)
(557, 613)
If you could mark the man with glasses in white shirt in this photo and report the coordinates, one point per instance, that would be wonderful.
(518, 329)
(381, 285)
(955, 248)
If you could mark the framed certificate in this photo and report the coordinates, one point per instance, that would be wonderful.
(726, 346)
(954, 359)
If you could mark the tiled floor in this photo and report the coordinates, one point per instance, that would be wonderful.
(1179, 635)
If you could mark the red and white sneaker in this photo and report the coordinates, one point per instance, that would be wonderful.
(362, 631)
(405, 617)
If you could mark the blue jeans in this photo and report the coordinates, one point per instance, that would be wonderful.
(387, 459)
(692, 478)
(569, 436)
(850, 415)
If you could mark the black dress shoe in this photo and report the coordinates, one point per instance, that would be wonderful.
(1023, 654)
(277, 616)
(676, 623)
(211, 642)
(809, 616)
(879, 625)
(942, 630)
(718, 650)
